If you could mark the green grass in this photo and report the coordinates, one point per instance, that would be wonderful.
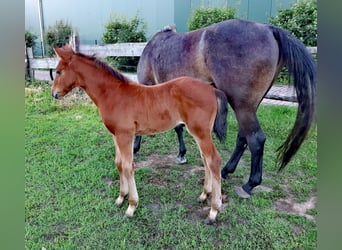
(72, 183)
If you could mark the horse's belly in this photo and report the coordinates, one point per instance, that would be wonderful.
(157, 123)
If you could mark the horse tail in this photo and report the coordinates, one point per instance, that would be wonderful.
(220, 123)
(302, 71)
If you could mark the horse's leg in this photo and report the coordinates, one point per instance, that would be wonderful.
(123, 180)
(136, 147)
(241, 144)
(212, 160)
(207, 186)
(182, 149)
(255, 137)
(256, 143)
(124, 143)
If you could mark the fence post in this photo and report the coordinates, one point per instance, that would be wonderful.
(75, 42)
(29, 57)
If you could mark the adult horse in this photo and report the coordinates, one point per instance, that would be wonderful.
(128, 109)
(243, 59)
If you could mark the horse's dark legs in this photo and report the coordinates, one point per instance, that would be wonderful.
(241, 144)
(182, 149)
(250, 134)
(256, 145)
(136, 147)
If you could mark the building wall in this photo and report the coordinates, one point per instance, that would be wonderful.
(89, 17)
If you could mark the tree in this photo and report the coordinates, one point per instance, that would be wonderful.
(30, 39)
(203, 17)
(122, 30)
(300, 20)
(57, 35)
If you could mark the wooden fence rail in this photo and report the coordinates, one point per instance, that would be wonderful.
(102, 51)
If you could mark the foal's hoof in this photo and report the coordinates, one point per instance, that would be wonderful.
(242, 193)
(202, 198)
(119, 201)
(181, 159)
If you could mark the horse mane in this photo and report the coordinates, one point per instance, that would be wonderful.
(105, 66)
(169, 28)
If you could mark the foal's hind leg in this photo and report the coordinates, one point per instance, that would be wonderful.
(208, 185)
(212, 161)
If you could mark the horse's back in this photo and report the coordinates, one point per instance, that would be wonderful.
(242, 57)
(168, 55)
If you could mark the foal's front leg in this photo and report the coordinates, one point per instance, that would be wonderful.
(123, 180)
(124, 143)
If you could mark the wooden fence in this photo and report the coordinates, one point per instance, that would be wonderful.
(117, 50)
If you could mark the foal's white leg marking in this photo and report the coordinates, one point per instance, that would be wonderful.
(125, 143)
(123, 190)
(216, 201)
(212, 160)
(119, 200)
(133, 196)
(123, 179)
(207, 186)
(212, 184)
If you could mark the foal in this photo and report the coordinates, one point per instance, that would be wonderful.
(128, 109)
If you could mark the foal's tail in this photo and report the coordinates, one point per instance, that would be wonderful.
(302, 69)
(220, 124)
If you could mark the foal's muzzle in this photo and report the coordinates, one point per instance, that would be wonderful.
(55, 94)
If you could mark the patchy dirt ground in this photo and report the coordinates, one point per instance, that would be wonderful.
(287, 205)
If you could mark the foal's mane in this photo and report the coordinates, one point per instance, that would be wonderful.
(105, 66)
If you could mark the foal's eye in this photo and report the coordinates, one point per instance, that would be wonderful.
(58, 72)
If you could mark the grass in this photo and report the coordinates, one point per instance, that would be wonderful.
(72, 183)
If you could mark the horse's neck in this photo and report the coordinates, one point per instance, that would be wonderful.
(98, 86)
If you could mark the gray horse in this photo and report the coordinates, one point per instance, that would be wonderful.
(243, 59)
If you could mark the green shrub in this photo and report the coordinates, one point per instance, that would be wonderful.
(300, 20)
(203, 17)
(122, 30)
(30, 39)
(57, 35)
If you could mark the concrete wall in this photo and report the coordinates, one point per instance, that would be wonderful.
(89, 17)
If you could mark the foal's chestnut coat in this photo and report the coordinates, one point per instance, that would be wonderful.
(128, 109)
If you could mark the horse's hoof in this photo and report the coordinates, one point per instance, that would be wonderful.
(119, 201)
(127, 217)
(242, 193)
(181, 159)
(202, 198)
(209, 221)
(224, 175)
(200, 201)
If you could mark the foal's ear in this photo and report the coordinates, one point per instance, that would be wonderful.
(65, 53)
